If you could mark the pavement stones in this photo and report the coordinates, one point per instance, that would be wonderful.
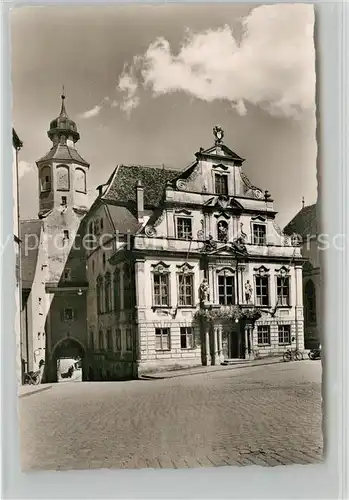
(268, 415)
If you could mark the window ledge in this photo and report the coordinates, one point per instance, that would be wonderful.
(162, 350)
(285, 344)
(186, 307)
(161, 307)
(263, 345)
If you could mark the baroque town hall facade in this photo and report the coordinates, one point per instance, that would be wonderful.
(177, 267)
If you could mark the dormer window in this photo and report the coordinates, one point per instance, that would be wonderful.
(221, 184)
(184, 228)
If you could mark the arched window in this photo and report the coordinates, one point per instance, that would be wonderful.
(80, 180)
(222, 231)
(117, 290)
(99, 289)
(107, 292)
(309, 303)
(63, 178)
(100, 341)
(45, 179)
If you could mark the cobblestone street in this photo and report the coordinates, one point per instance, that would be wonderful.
(265, 415)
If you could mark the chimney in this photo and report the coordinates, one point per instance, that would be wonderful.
(140, 201)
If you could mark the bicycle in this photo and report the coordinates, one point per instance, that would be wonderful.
(292, 354)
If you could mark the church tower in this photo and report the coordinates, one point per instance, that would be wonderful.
(59, 287)
(62, 171)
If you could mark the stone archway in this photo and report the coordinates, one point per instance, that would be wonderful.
(69, 348)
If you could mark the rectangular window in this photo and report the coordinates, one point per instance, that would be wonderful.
(118, 339)
(284, 334)
(262, 291)
(100, 341)
(96, 226)
(184, 228)
(67, 274)
(66, 234)
(259, 234)
(107, 287)
(221, 184)
(187, 337)
(226, 290)
(99, 295)
(91, 227)
(162, 339)
(117, 290)
(92, 341)
(263, 333)
(68, 314)
(161, 289)
(109, 340)
(64, 200)
(283, 291)
(129, 339)
(185, 292)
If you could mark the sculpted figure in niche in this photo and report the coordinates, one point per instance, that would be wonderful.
(248, 292)
(204, 289)
(222, 230)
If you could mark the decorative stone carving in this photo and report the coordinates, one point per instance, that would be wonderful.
(218, 133)
(257, 193)
(150, 231)
(209, 245)
(204, 290)
(248, 292)
(181, 184)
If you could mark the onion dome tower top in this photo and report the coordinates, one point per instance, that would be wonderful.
(63, 128)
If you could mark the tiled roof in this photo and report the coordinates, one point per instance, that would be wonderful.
(30, 236)
(63, 152)
(304, 223)
(123, 185)
(123, 219)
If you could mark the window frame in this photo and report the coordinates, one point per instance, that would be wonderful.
(185, 334)
(79, 169)
(66, 270)
(65, 318)
(226, 273)
(101, 340)
(161, 270)
(107, 292)
(262, 343)
(288, 327)
(45, 185)
(261, 225)
(185, 271)
(181, 218)
(159, 333)
(99, 294)
(221, 176)
(279, 297)
(118, 339)
(59, 168)
(261, 273)
(110, 346)
(129, 339)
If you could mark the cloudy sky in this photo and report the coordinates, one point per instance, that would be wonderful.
(146, 85)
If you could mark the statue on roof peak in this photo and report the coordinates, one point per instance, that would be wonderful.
(218, 133)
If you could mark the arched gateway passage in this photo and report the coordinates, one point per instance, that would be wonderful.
(66, 353)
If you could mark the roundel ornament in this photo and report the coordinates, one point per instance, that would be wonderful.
(258, 194)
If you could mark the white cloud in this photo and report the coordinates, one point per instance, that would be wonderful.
(91, 113)
(272, 66)
(128, 85)
(25, 168)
